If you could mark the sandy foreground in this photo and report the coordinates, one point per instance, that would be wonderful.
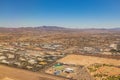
(9, 73)
(88, 60)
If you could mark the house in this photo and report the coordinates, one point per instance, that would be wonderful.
(32, 61)
(43, 63)
(1, 53)
(115, 46)
(1, 45)
(29, 67)
(40, 66)
(22, 59)
(91, 50)
(17, 64)
(3, 57)
(5, 62)
(10, 56)
(68, 70)
(57, 72)
(40, 59)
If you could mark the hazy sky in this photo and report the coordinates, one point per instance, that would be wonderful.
(65, 13)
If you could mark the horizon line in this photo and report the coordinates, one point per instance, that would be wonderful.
(61, 27)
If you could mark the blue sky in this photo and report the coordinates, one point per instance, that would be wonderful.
(65, 13)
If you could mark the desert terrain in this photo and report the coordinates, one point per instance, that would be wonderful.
(88, 60)
(9, 73)
(33, 52)
(99, 68)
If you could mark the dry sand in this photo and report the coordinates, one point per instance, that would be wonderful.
(9, 73)
(88, 60)
(111, 71)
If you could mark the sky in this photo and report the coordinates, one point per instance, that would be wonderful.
(63, 13)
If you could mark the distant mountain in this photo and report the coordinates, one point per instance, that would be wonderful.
(115, 29)
(50, 28)
(56, 28)
(26, 29)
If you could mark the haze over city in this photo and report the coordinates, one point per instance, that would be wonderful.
(64, 13)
